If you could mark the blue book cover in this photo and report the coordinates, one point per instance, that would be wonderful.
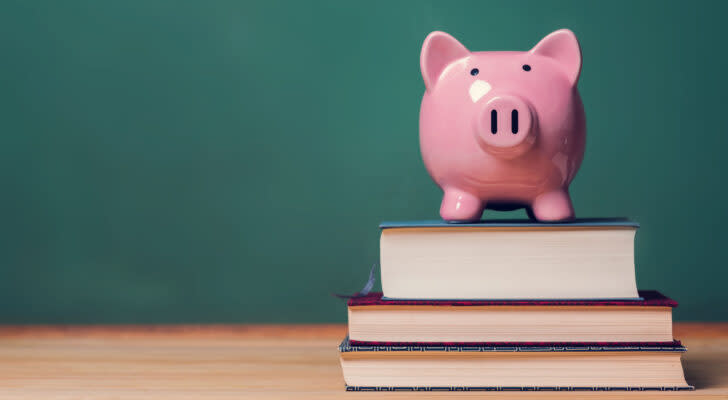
(346, 346)
(513, 223)
(515, 388)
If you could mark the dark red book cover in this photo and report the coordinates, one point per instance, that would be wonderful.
(649, 298)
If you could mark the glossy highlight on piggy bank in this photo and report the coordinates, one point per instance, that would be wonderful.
(503, 129)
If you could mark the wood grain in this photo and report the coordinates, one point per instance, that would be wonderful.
(249, 362)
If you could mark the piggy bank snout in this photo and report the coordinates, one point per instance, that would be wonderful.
(505, 125)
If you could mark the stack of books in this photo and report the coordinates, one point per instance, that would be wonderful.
(510, 305)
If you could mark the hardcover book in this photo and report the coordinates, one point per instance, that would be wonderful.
(485, 367)
(375, 320)
(509, 260)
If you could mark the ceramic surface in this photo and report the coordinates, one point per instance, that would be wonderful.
(502, 130)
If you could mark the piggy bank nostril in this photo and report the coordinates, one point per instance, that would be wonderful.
(504, 122)
(494, 122)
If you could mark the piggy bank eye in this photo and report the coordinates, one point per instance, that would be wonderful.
(474, 71)
(526, 67)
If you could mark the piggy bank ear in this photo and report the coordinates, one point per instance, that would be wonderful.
(438, 51)
(563, 47)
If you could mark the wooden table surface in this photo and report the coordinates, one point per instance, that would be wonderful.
(255, 361)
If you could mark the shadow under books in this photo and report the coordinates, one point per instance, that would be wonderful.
(704, 371)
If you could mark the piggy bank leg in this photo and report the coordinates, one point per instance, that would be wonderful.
(460, 206)
(553, 206)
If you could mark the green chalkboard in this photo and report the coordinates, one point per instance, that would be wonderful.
(229, 161)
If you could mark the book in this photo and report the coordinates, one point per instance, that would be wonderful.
(582, 259)
(374, 320)
(481, 367)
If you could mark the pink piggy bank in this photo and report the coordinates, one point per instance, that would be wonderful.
(502, 129)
